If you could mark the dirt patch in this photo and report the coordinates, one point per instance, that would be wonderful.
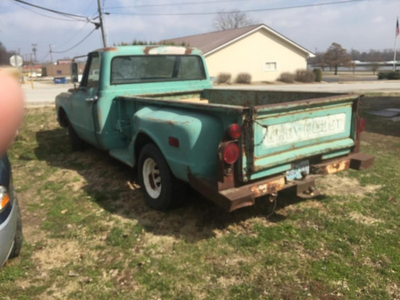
(393, 290)
(57, 254)
(334, 185)
(359, 218)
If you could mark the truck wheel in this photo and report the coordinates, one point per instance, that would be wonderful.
(76, 143)
(161, 189)
(18, 237)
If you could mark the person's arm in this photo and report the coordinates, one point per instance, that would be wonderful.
(11, 107)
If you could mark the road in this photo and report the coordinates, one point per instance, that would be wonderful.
(44, 93)
(351, 87)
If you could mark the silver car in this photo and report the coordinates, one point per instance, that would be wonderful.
(10, 216)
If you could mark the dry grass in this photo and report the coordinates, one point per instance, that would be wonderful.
(89, 234)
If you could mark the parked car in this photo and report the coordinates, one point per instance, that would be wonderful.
(10, 216)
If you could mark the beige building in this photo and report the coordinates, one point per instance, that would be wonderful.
(258, 50)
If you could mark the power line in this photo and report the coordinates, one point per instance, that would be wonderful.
(72, 37)
(77, 43)
(244, 11)
(175, 4)
(43, 15)
(53, 11)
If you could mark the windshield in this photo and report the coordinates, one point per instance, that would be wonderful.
(131, 69)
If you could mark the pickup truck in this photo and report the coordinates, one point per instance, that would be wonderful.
(154, 108)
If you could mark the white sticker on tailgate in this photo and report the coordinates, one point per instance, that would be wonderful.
(304, 130)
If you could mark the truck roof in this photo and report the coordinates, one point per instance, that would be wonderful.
(152, 50)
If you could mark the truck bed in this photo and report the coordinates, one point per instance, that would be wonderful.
(268, 118)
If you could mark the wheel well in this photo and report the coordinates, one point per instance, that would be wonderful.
(63, 118)
(141, 140)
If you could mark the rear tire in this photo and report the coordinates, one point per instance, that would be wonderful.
(161, 189)
(76, 143)
(18, 236)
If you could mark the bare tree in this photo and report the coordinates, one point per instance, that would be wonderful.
(336, 56)
(375, 58)
(3, 55)
(231, 20)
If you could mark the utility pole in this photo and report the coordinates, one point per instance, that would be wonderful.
(103, 34)
(34, 49)
(51, 58)
(30, 56)
(51, 53)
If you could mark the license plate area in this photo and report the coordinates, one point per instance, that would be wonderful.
(297, 169)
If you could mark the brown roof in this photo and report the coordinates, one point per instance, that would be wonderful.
(208, 42)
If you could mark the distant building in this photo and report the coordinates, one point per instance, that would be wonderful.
(60, 70)
(64, 61)
(258, 50)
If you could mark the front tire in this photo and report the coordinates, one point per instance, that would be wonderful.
(161, 189)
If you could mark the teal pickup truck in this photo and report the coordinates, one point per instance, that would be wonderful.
(154, 108)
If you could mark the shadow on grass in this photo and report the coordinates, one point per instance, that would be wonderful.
(112, 185)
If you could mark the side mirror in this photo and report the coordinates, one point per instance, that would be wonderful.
(74, 72)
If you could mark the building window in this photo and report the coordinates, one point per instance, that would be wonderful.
(270, 66)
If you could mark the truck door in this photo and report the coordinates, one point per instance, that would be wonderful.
(84, 102)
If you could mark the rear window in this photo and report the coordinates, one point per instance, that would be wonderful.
(131, 69)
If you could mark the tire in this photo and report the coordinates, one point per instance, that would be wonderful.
(76, 143)
(161, 189)
(18, 236)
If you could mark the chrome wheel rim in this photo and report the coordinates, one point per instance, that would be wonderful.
(151, 178)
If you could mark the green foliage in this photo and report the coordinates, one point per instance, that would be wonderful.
(389, 75)
(318, 75)
(305, 76)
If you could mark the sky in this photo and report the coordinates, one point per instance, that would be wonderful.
(360, 25)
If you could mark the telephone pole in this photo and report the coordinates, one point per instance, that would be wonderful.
(103, 34)
(34, 49)
(51, 53)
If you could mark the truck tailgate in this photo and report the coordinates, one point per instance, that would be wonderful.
(286, 133)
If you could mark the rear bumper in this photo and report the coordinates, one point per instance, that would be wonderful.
(238, 197)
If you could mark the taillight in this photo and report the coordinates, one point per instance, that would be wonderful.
(231, 153)
(234, 131)
(362, 123)
(4, 198)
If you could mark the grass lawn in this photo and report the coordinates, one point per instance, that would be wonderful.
(89, 235)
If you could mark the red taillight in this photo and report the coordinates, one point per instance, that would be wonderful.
(234, 131)
(231, 153)
(361, 125)
(174, 142)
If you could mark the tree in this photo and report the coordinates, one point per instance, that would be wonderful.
(4, 58)
(375, 58)
(336, 56)
(231, 20)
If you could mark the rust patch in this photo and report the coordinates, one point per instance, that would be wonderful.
(337, 167)
(147, 49)
(268, 187)
(188, 51)
(107, 49)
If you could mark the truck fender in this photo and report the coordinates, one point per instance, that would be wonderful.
(198, 135)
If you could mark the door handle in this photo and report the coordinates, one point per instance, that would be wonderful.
(93, 99)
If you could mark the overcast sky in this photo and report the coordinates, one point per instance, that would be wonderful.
(361, 25)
